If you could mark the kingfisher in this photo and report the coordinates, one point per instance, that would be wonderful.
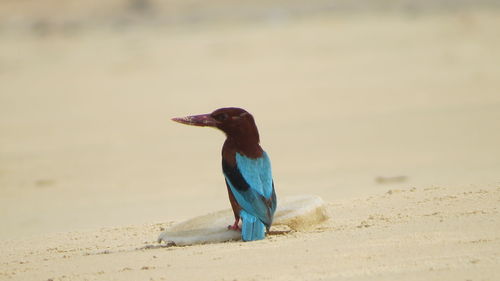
(246, 168)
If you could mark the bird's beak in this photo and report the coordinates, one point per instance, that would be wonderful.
(203, 120)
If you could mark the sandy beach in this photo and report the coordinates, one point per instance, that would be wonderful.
(390, 116)
(432, 233)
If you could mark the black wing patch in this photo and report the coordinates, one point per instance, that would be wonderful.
(235, 177)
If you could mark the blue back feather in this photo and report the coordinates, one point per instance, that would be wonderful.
(257, 173)
(252, 186)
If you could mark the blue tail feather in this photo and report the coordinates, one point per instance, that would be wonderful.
(252, 228)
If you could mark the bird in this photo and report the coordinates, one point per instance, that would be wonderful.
(246, 168)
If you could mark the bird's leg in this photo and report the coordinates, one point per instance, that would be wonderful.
(236, 209)
(235, 226)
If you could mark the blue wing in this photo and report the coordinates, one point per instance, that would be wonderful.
(252, 185)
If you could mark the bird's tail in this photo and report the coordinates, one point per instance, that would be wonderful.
(251, 228)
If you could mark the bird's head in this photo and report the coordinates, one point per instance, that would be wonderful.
(234, 122)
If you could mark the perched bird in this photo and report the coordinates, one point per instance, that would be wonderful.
(246, 168)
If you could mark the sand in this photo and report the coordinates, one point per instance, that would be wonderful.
(418, 234)
(391, 118)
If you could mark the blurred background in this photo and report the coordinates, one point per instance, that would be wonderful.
(352, 98)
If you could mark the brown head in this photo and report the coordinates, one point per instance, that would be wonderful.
(238, 125)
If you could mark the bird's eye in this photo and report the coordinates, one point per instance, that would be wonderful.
(221, 117)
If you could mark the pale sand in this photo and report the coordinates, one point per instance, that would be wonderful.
(418, 234)
(347, 106)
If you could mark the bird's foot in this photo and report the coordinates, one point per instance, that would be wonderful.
(234, 227)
